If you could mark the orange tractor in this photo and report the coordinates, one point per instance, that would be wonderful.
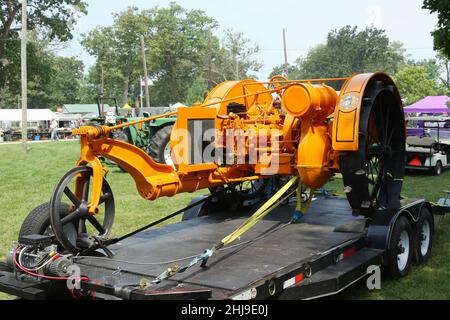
(244, 132)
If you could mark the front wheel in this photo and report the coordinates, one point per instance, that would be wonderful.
(74, 189)
(38, 220)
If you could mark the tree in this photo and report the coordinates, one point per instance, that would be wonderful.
(117, 50)
(177, 46)
(49, 21)
(442, 34)
(235, 59)
(65, 85)
(52, 18)
(232, 59)
(197, 91)
(445, 65)
(414, 83)
(348, 51)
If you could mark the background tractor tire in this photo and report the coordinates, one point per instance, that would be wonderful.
(159, 148)
(121, 135)
(38, 220)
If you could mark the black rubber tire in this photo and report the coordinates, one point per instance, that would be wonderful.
(438, 168)
(425, 215)
(158, 144)
(392, 268)
(38, 220)
(121, 135)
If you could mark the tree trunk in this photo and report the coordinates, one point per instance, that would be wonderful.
(126, 84)
(125, 91)
(12, 12)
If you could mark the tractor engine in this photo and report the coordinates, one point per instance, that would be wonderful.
(265, 134)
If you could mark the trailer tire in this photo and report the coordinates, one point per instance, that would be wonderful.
(438, 168)
(38, 220)
(159, 148)
(401, 249)
(424, 235)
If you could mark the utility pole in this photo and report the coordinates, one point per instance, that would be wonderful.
(286, 63)
(23, 53)
(144, 62)
(102, 92)
(209, 60)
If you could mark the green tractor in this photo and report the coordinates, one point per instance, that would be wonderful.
(152, 137)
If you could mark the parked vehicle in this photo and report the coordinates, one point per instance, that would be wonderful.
(429, 150)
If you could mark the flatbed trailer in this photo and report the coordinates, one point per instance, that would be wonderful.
(324, 254)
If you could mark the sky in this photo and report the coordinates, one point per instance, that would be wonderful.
(307, 23)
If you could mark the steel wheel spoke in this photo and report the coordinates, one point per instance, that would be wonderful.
(104, 197)
(70, 218)
(72, 197)
(82, 226)
(96, 224)
(85, 194)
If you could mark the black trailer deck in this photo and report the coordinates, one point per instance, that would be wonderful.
(284, 247)
(281, 263)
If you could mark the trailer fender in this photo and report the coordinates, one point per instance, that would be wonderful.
(380, 229)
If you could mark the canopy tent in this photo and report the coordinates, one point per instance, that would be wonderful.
(430, 105)
(32, 115)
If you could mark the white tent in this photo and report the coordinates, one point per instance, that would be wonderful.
(32, 115)
(36, 118)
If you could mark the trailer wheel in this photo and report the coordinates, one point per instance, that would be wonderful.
(424, 235)
(159, 146)
(401, 249)
(438, 168)
(38, 220)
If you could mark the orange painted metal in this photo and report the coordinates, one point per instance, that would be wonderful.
(285, 126)
(346, 117)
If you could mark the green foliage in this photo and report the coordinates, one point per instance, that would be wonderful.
(176, 41)
(53, 19)
(348, 51)
(178, 52)
(49, 22)
(235, 59)
(417, 82)
(442, 33)
(197, 92)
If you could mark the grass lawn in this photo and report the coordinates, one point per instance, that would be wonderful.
(28, 180)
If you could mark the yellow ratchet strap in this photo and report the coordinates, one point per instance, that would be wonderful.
(268, 207)
(301, 208)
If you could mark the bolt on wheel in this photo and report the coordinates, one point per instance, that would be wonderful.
(74, 189)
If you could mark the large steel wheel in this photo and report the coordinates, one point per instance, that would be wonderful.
(373, 176)
(88, 226)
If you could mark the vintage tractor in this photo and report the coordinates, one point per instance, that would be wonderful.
(248, 131)
(152, 137)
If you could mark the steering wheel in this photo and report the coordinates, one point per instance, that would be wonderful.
(277, 82)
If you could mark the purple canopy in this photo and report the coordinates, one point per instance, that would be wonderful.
(437, 104)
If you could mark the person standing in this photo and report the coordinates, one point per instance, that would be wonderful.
(54, 130)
